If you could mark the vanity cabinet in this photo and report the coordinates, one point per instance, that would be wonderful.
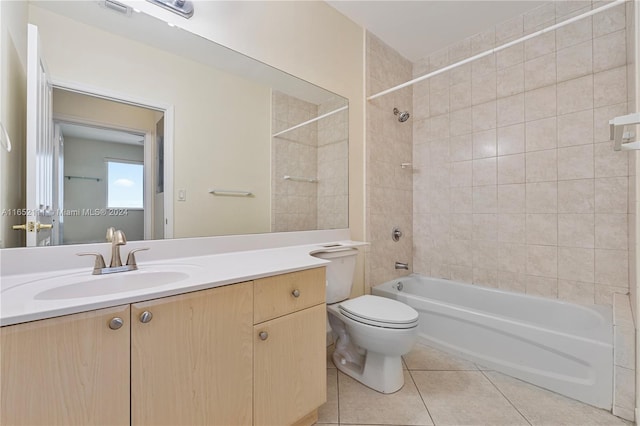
(289, 348)
(191, 358)
(209, 357)
(71, 370)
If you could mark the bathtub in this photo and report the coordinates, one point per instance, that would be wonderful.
(560, 346)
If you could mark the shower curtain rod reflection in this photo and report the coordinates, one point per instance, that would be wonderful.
(497, 49)
(335, 111)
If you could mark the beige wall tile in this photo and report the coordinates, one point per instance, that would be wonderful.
(575, 162)
(439, 101)
(484, 171)
(511, 56)
(612, 268)
(485, 277)
(461, 274)
(460, 96)
(542, 261)
(611, 195)
(511, 198)
(512, 257)
(610, 86)
(575, 95)
(511, 169)
(540, 72)
(510, 30)
(542, 165)
(511, 228)
(541, 15)
(605, 293)
(575, 128)
(462, 253)
(571, 8)
(576, 230)
(484, 144)
(609, 163)
(601, 117)
(624, 346)
(609, 51)
(484, 116)
(485, 199)
(485, 254)
(483, 41)
(461, 74)
(609, 21)
(576, 264)
(542, 229)
(539, 46)
(483, 87)
(576, 196)
(541, 134)
(575, 33)
(461, 200)
(575, 61)
(485, 227)
(576, 292)
(624, 390)
(510, 110)
(540, 103)
(542, 286)
(511, 139)
(510, 81)
(460, 148)
(611, 231)
(511, 281)
(460, 122)
(462, 226)
(460, 50)
(542, 197)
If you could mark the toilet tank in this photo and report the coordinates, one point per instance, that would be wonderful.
(339, 272)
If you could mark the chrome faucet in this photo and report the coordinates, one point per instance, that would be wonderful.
(117, 239)
(400, 265)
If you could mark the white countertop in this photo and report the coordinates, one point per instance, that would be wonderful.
(19, 301)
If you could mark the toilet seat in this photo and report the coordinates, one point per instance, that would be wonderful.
(379, 312)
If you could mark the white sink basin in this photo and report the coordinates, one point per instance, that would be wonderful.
(109, 284)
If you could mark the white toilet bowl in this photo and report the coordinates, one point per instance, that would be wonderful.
(372, 335)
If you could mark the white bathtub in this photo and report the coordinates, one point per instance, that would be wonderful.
(560, 346)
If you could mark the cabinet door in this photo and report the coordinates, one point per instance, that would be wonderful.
(71, 370)
(191, 363)
(290, 366)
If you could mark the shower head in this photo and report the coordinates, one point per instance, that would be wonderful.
(402, 116)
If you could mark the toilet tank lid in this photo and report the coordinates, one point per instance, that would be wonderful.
(381, 309)
(335, 253)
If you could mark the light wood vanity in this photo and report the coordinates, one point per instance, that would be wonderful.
(240, 354)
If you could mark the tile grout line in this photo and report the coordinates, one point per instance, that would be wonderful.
(505, 397)
(421, 397)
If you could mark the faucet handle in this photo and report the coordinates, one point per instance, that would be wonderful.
(99, 264)
(119, 238)
(110, 231)
(131, 258)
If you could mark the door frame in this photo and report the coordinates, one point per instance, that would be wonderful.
(164, 107)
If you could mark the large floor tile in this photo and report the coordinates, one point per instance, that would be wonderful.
(361, 405)
(424, 357)
(328, 412)
(464, 398)
(543, 407)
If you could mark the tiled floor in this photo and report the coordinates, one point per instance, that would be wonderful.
(443, 390)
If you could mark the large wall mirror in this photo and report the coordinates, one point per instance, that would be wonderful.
(164, 134)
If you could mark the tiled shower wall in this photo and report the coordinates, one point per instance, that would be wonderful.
(319, 151)
(389, 144)
(295, 153)
(516, 185)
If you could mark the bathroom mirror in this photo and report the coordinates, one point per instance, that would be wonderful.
(210, 154)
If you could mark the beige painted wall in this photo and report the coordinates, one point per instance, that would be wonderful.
(201, 161)
(13, 91)
(308, 39)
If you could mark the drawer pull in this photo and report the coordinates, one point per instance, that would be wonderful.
(115, 323)
(146, 316)
(263, 335)
(296, 293)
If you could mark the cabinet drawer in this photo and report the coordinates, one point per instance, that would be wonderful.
(276, 296)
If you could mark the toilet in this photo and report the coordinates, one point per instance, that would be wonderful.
(372, 332)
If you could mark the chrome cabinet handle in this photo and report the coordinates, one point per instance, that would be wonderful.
(146, 316)
(296, 293)
(115, 323)
(263, 335)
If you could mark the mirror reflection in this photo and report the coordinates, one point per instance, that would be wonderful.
(163, 134)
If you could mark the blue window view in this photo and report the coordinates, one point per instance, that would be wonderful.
(125, 185)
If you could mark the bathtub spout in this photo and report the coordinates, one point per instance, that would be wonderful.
(400, 265)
